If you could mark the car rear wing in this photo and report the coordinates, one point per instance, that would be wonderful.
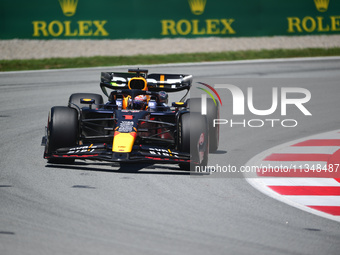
(155, 82)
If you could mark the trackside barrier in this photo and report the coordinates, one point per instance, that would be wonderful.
(130, 19)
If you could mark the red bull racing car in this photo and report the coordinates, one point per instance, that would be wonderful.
(136, 123)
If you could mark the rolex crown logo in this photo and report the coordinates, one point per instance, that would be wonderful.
(69, 7)
(197, 6)
(321, 5)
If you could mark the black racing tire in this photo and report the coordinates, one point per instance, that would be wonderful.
(75, 100)
(193, 139)
(62, 131)
(213, 112)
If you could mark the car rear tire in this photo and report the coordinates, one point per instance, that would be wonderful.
(194, 139)
(213, 112)
(62, 131)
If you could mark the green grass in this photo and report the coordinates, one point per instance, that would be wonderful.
(53, 63)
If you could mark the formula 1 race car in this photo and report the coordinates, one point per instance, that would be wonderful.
(135, 125)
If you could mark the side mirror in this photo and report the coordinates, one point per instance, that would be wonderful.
(179, 104)
(87, 101)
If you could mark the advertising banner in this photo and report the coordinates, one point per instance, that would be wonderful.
(131, 19)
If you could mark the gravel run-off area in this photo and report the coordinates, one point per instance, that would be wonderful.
(39, 49)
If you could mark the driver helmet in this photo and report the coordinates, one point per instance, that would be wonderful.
(140, 102)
